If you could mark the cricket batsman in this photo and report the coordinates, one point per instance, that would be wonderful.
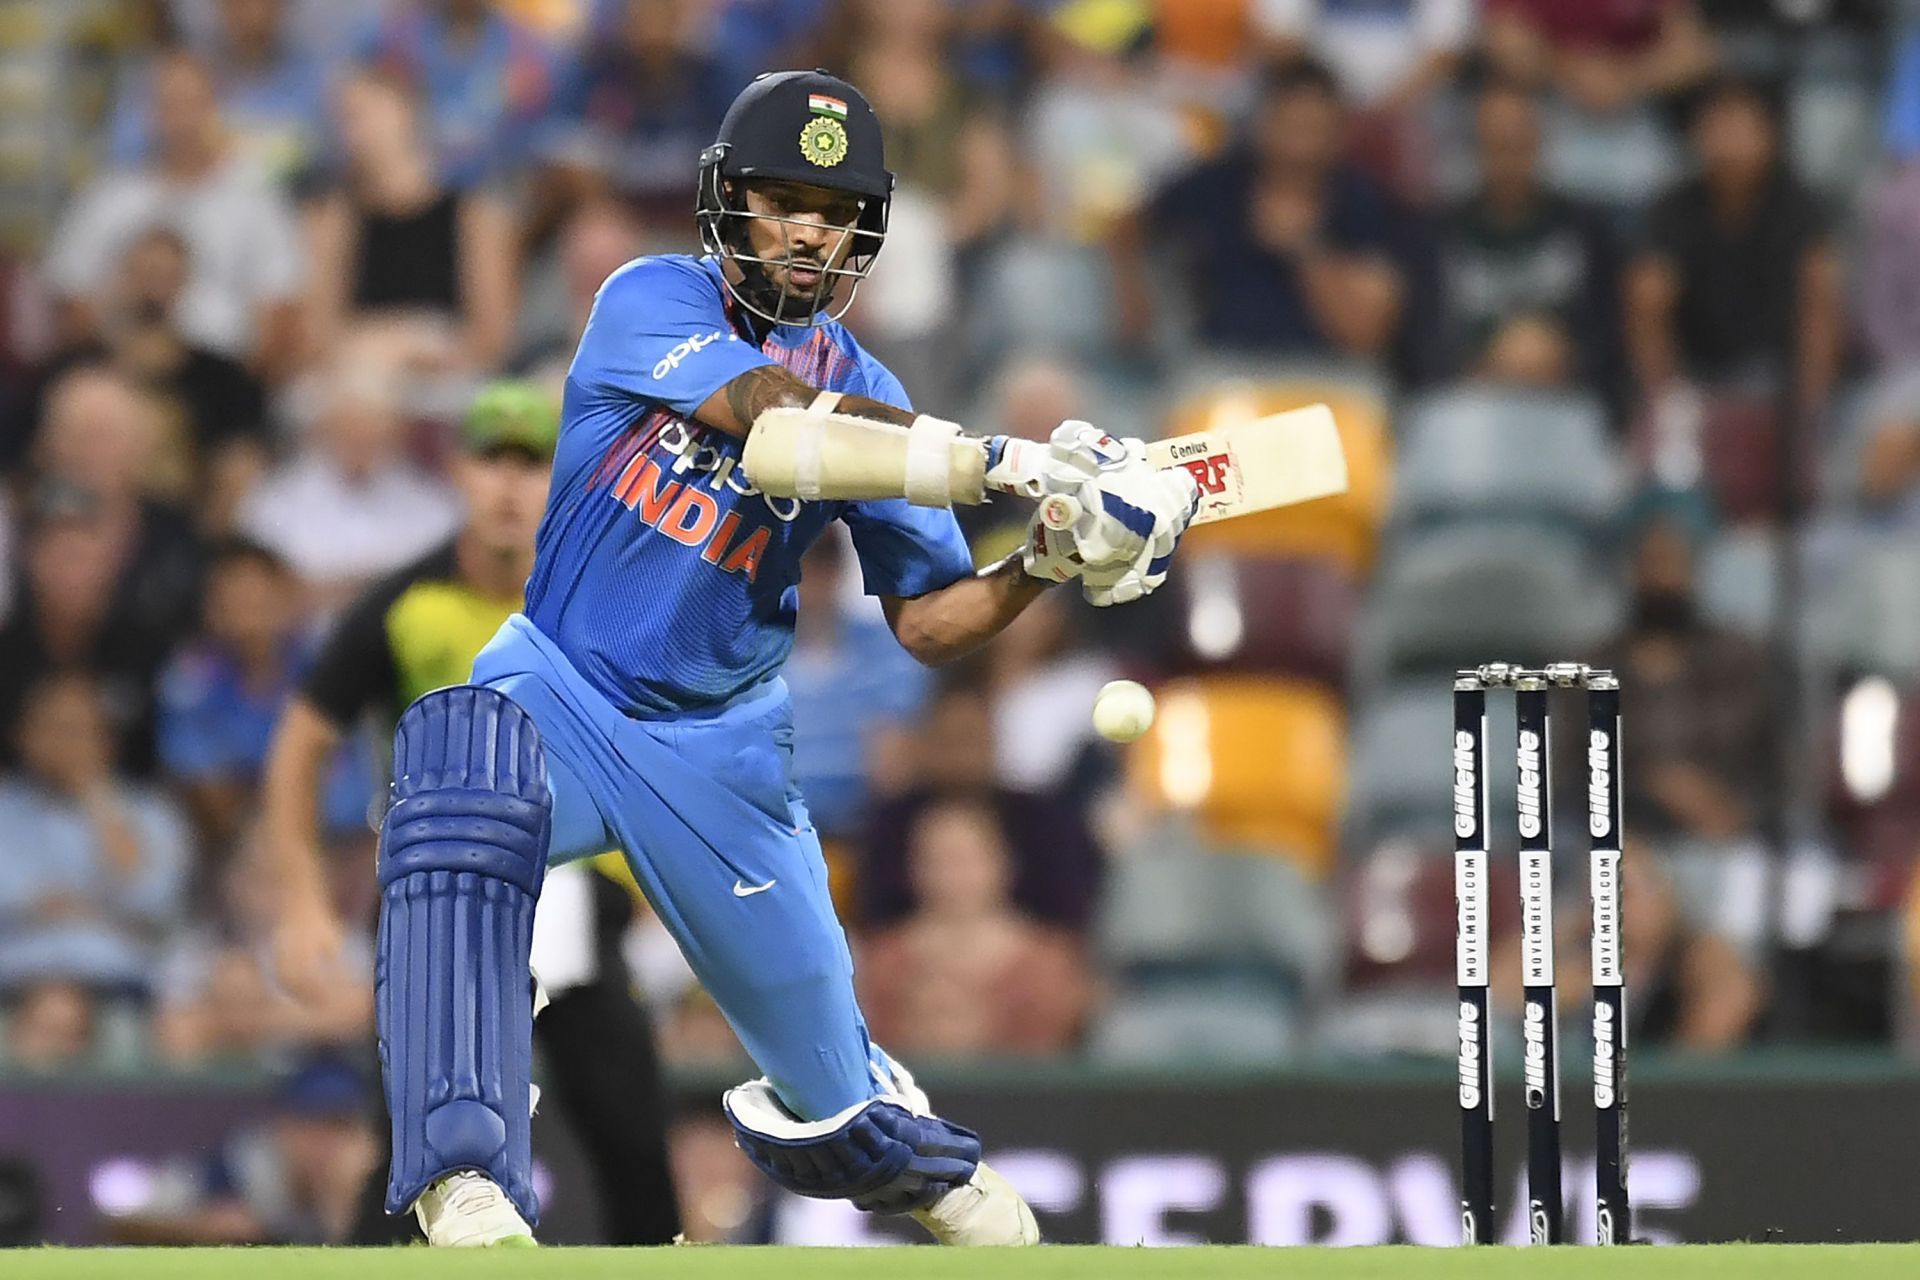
(716, 416)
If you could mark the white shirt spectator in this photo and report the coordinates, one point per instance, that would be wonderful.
(241, 233)
(1371, 48)
(338, 530)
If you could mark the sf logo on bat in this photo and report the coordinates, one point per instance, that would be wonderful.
(1209, 473)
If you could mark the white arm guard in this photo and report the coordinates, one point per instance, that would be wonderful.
(814, 453)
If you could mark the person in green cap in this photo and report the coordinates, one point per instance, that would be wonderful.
(418, 630)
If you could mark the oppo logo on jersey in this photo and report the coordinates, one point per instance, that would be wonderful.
(671, 361)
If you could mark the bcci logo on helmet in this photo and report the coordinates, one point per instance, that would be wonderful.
(824, 141)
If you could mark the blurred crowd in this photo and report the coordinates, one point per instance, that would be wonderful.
(1618, 304)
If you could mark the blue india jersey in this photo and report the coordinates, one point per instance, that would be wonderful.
(661, 573)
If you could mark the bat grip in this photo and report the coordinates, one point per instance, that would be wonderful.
(1059, 511)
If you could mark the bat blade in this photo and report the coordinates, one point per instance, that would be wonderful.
(1274, 461)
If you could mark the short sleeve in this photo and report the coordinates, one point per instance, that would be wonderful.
(659, 333)
(354, 669)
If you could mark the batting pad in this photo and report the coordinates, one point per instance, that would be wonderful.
(463, 852)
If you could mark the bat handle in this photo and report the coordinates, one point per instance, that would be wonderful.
(1059, 511)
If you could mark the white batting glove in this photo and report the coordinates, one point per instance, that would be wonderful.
(1049, 554)
(1172, 498)
(1075, 454)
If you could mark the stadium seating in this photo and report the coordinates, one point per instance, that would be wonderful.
(1259, 762)
(1868, 618)
(1488, 453)
(1398, 785)
(1276, 616)
(1735, 580)
(1207, 1022)
(1469, 594)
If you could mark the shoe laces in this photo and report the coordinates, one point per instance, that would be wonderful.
(468, 1192)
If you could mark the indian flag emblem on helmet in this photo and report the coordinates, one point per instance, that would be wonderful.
(824, 140)
(822, 105)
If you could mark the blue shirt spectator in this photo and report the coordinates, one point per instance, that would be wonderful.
(1283, 246)
(272, 92)
(639, 104)
(488, 82)
(221, 695)
(93, 870)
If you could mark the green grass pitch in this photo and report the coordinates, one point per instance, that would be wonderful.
(1695, 1262)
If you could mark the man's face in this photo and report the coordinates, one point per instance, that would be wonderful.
(155, 273)
(806, 226)
(1735, 138)
(249, 603)
(64, 735)
(1509, 140)
(185, 111)
(250, 23)
(1299, 129)
(506, 493)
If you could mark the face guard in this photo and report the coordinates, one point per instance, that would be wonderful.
(722, 215)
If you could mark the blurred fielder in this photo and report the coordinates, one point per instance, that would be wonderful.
(637, 703)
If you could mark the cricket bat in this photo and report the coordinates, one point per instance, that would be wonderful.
(1269, 462)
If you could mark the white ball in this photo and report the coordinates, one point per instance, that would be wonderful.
(1123, 710)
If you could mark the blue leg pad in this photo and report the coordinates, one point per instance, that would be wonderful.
(878, 1154)
(463, 852)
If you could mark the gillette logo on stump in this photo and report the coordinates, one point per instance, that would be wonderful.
(1535, 1030)
(1466, 768)
(1599, 784)
(1529, 800)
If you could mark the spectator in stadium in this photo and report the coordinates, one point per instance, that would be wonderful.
(220, 696)
(941, 140)
(1525, 280)
(1387, 58)
(952, 755)
(214, 997)
(271, 89)
(110, 579)
(597, 239)
(350, 505)
(1611, 68)
(1702, 732)
(486, 80)
(1738, 283)
(212, 410)
(50, 1027)
(94, 868)
(244, 246)
(100, 440)
(849, 680)
(434, 269)
(291, 1179)
(1101, 134)
(637, 106)
(1603, 55)
(967, 974)
(1283, 248)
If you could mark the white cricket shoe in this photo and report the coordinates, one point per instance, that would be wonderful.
(468, 1210)
(987, 1210)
